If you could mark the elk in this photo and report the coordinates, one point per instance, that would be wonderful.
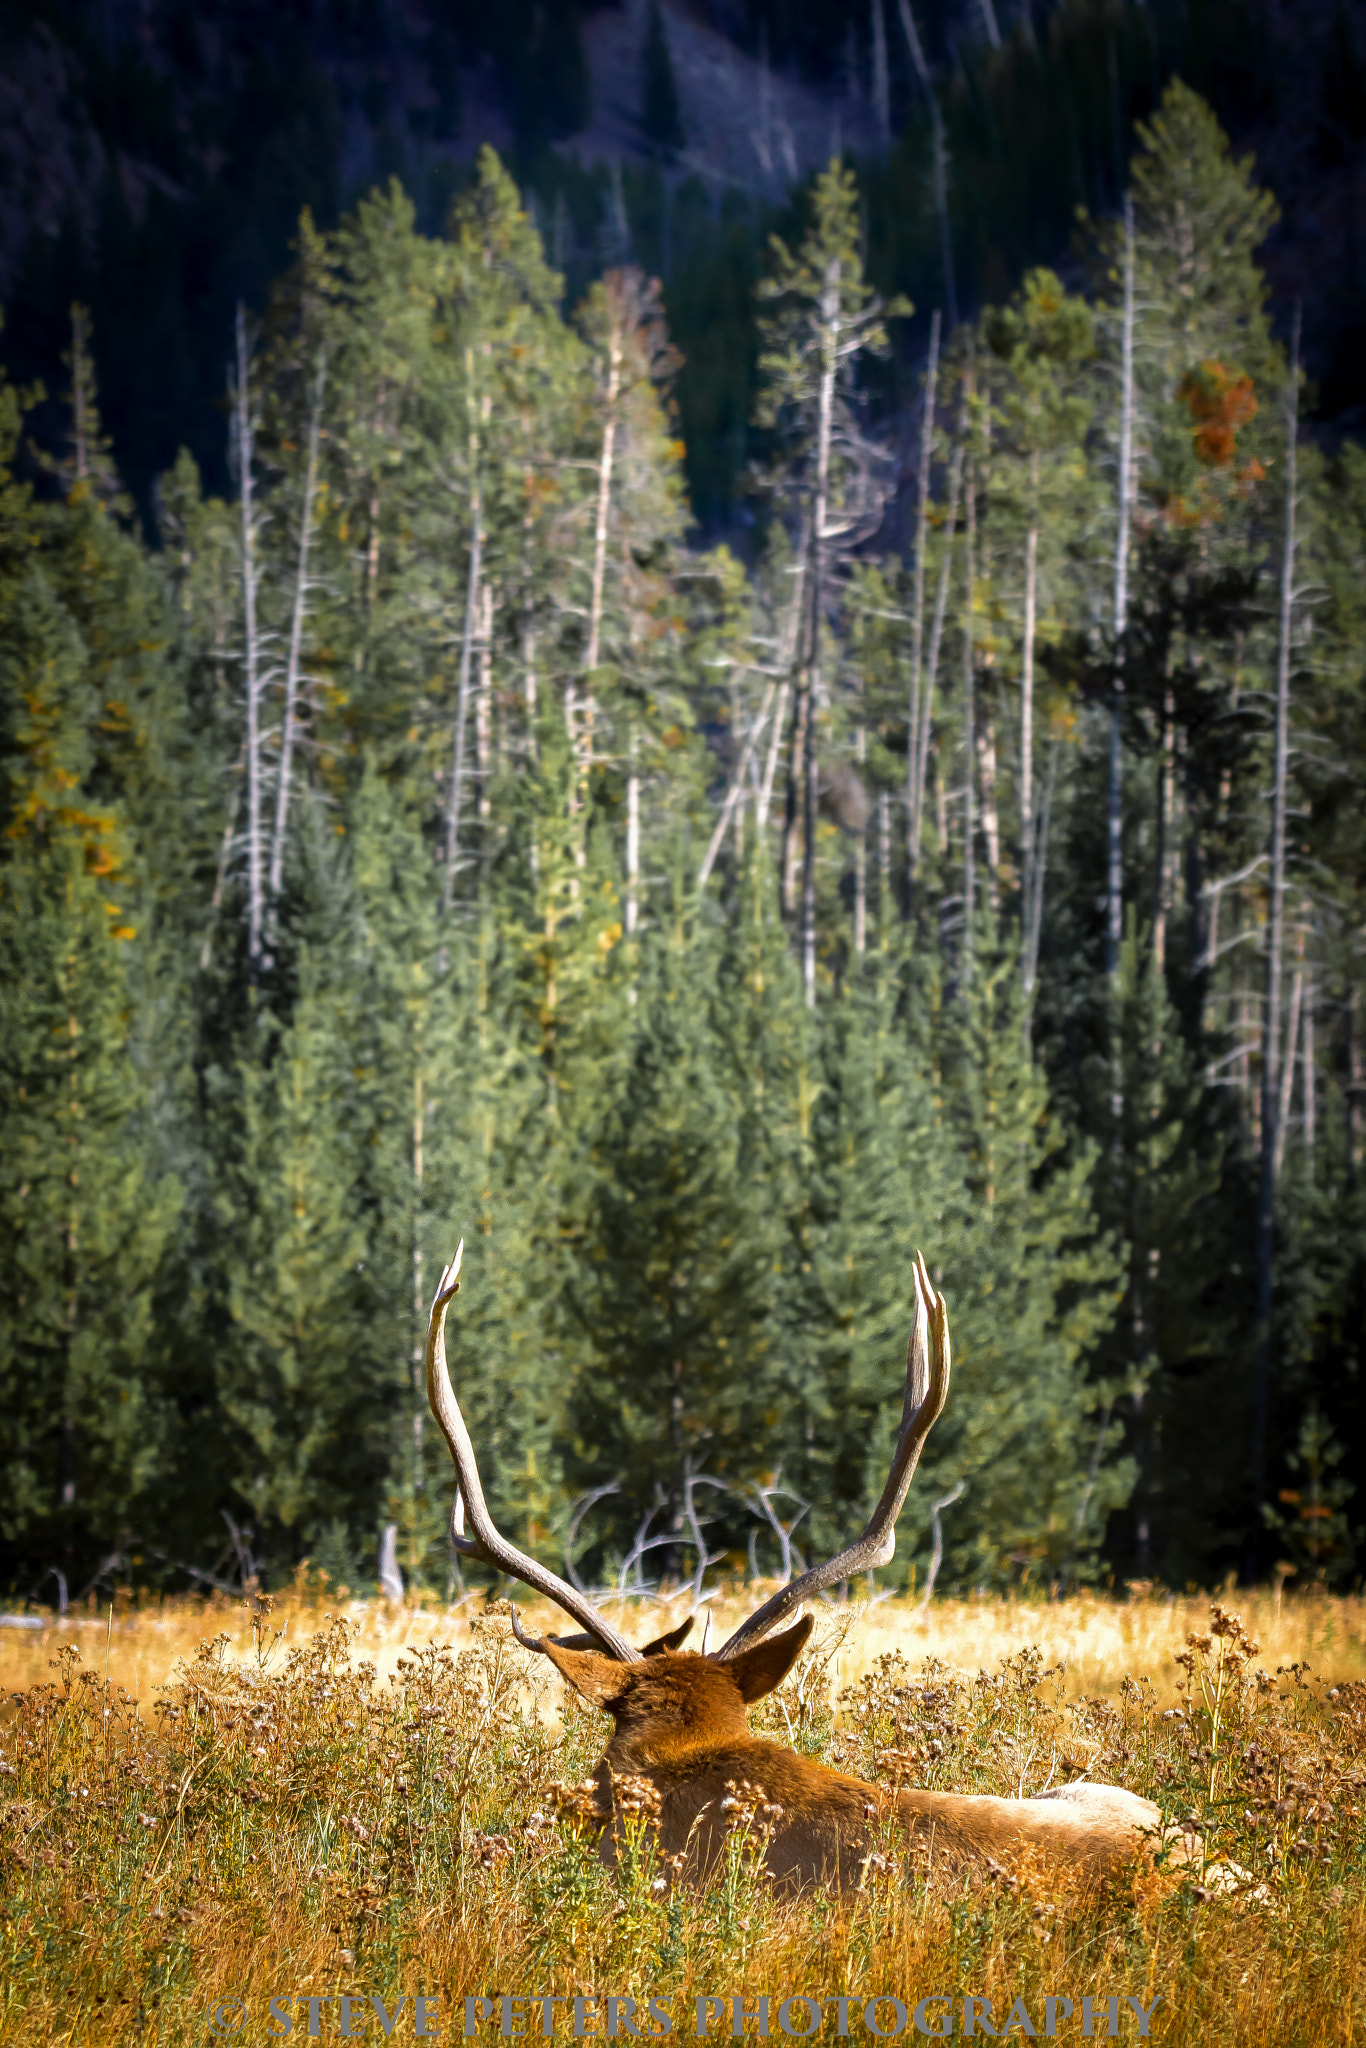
(681, 1736)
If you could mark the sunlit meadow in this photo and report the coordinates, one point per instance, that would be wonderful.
(204, 1808)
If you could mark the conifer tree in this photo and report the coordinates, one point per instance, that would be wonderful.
(674, 1286)
(1042, 340)
(1036, 1283)
(307, 1407)
(87, 1205)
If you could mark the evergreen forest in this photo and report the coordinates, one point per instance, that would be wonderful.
(419, 826)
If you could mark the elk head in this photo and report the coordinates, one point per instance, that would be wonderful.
(592, 1661)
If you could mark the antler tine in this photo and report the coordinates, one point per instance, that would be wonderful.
(927, 1386)
(486, 1543)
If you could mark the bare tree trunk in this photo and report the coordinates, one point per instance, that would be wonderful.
(224, 855)
(530, 692)
(251, 646)
(788, 656)
(1246, 1016)
(792, 812)
(733, 794)
(1292, 1037)
(775, 746)
(1027, 700)
(861, 859)
(941, 159)
(471, 627)
(1039, 870)
(991, 827)
(1266, 1199)
(810, 794)
(1309, 1078)
(884, 858)
(417, 1356)
(1114, 926)
(1354, 1081)
(616, 347)
(632, 912)
(1166, 790)
(483, 703)
(1114, 920)
(941, 604)
(298, 617)
(915, 790)
(969, 716)
(825, 419)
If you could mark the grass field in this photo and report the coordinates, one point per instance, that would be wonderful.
(298, 1806)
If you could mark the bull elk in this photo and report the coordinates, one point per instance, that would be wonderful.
(680, 1715)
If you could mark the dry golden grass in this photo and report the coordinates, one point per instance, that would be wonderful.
(347, 1808)
(1098, 1639)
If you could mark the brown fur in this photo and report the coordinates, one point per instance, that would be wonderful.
(681, 1728)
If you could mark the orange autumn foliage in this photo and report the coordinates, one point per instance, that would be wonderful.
(1221, 404)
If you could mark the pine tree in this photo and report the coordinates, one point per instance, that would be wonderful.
(1044, 341)
(86, 1206)
(1034, 1284)
(308, 1408)
(673, 1284)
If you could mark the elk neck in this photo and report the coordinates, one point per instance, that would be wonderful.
(675, 1705)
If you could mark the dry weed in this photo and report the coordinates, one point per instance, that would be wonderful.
(288, 1821)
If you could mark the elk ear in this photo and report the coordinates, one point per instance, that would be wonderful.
(761, 1669)
(599, 1680)
(670, 1641)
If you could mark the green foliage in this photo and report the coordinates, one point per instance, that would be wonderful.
(1310, 1519)
(529, 975)
(87, 1201)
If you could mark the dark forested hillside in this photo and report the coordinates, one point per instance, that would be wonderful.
(154, 159)
(418, 823)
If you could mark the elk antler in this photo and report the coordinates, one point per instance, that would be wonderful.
(487, 1544)
(927, 1386)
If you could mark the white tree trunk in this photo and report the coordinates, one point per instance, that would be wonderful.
(294, 661)
(969, 716)
(1039, 871)
(941, 605)
(861, 860)
(825, 419)
(1266, 1199)
(632, 841)
(1114, 929)
(602, 524)
(251, 647)
(1309, 1085)
(915, 784)
(1292, 1035)
(483, 704)
(471, 627)
(1027, 702)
